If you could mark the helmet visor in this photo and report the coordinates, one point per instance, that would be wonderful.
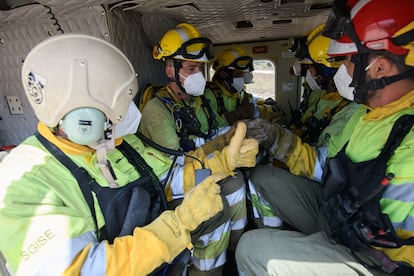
(242, 63)
(195, 48)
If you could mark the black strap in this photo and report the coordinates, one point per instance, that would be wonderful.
(82, 176)
(219, 97)
(400, 129)
(143, 168)
(212, 124)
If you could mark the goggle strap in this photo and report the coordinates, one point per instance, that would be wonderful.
(202, 40)
(249, 64)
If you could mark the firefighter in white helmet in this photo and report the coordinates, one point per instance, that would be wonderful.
(74, 199)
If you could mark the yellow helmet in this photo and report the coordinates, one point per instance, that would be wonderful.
(234, 58)
(184, 42)
(318, 46)
(405, 41)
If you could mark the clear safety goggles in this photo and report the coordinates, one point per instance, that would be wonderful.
(336, 59)
(242, 63)
(195, 48)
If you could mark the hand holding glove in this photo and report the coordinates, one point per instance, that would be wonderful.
(284, 145)
(278, 140)
(243, 111)
(199, 204)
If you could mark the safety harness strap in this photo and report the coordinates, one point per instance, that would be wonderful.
(82, 176)
(187, 122)
(351, 194)
(124, 208)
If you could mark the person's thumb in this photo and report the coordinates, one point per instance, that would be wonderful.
(237, 141)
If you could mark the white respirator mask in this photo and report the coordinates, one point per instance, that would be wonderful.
(248, 77)
(194, 84)
(311, 81)
(129, 125)
(342, 81)
(238, 84)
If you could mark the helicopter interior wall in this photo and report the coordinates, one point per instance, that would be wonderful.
(22, 28)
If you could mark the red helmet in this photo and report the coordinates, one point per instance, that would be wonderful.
(375, 23)
(372, 25)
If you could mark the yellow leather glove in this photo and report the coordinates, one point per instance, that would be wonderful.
(219, 142)
(199, 204)
(241, 152)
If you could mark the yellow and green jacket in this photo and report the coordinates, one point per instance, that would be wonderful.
(158, 122)
(366, 133)
(46, 225)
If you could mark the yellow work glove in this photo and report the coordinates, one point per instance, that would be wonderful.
(241, 152)
(219, 142)
(199, 204)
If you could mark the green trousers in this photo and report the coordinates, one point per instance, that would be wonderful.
(308, 251)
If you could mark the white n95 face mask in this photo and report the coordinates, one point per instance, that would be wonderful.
(238, 84)
(297, 68)
(129, 125)
(248, 77)
(342, 81)
(311, 81)
(194, 84)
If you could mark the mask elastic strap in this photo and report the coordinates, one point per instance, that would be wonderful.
(228, 80)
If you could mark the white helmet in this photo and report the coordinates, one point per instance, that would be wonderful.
(72, 71)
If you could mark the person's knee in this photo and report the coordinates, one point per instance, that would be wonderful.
(243, 246)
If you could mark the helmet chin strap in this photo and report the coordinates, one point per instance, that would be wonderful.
(228, 80)
(177, 67)
(362, 86)
(382, 82)
(102, 147)
(358, 79)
